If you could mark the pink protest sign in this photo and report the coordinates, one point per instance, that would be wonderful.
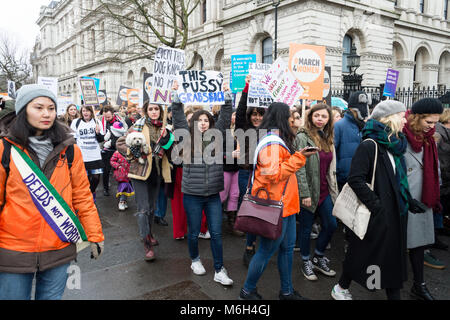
(282, 84)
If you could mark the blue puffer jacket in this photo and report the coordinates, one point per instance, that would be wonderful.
(347, 138)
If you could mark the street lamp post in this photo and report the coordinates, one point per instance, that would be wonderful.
(352, 81)
(276, 3)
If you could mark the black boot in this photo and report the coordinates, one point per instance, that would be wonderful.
(231, 220)
(420, 292)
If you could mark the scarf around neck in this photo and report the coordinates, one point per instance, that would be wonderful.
(397, 147)
(430, 185)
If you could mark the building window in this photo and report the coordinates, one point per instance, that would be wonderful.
(446, 9)
(422, 6)
(347, 45)
(204, 12)
(267, 51)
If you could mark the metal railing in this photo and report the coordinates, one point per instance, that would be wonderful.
(406, 95)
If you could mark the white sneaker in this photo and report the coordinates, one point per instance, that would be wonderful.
(125, 204)
(222, 277)
(197, 268)
(205, 235)
(121, 206)
(340, 294)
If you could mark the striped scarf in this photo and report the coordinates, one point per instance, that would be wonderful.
(397, 147)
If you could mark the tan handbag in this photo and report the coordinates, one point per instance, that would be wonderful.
(350, 210)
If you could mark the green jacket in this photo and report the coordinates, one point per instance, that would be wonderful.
(308, 176)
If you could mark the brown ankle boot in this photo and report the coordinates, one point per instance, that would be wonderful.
(149, 252)
(152, 240)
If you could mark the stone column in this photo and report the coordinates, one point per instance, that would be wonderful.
(430, 74)
(406, 76)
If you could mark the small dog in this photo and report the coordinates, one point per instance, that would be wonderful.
(137, 144)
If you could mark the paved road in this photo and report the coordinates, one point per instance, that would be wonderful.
(122, 274)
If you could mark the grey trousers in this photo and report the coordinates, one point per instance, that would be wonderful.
(146, 194)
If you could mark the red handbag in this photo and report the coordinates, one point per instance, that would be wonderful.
(259, 216)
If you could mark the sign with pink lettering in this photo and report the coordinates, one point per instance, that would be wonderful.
(282, 84)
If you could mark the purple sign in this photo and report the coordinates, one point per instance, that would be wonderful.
(391, 83)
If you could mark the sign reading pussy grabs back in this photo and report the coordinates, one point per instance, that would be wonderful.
(201, 88)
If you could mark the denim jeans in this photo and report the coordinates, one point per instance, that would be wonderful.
(328, 226)
(161, 203)
(50, 284)
(212, 206)
(285, 247)
(243, 182)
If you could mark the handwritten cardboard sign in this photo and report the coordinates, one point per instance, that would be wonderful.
(307, 63)
(258, 96)
(281, 83)
(168, 62)
(201, 88)
(89, 91)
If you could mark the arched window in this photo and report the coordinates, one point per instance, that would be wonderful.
(267, 51)
(347, 45)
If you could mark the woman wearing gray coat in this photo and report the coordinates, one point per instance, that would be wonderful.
(423, 178)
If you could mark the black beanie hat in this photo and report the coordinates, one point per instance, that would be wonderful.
(427, 106)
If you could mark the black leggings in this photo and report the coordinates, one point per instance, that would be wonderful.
(94, 180)
(416, 256)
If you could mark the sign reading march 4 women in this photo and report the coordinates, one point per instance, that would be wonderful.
(168, 62)
(201, 88)
(307, 63)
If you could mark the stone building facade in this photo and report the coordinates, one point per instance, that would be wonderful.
(412, 36)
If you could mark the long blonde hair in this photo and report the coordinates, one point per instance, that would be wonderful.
(394, 122)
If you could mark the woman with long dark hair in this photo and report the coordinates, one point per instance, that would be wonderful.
(146, 178)
(42, 171)
(317, 189)
(275, 167)
(202, 182)
(247, 118)
(89, 134)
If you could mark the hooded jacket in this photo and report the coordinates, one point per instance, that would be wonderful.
(27, 242)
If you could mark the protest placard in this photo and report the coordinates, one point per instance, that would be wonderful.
(63, 102)
(122, 98)
(390, 85)
(168, 62)
(239, 70)
(258, 96)
(102, 98)
(133, 96)
(281, 83)
(11, 89)
(147, 87)
(89, 92)
(50, 83)
(327, 86)
(201, 88)
(307, 64)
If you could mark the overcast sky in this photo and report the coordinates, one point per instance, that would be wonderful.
(18, 20)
